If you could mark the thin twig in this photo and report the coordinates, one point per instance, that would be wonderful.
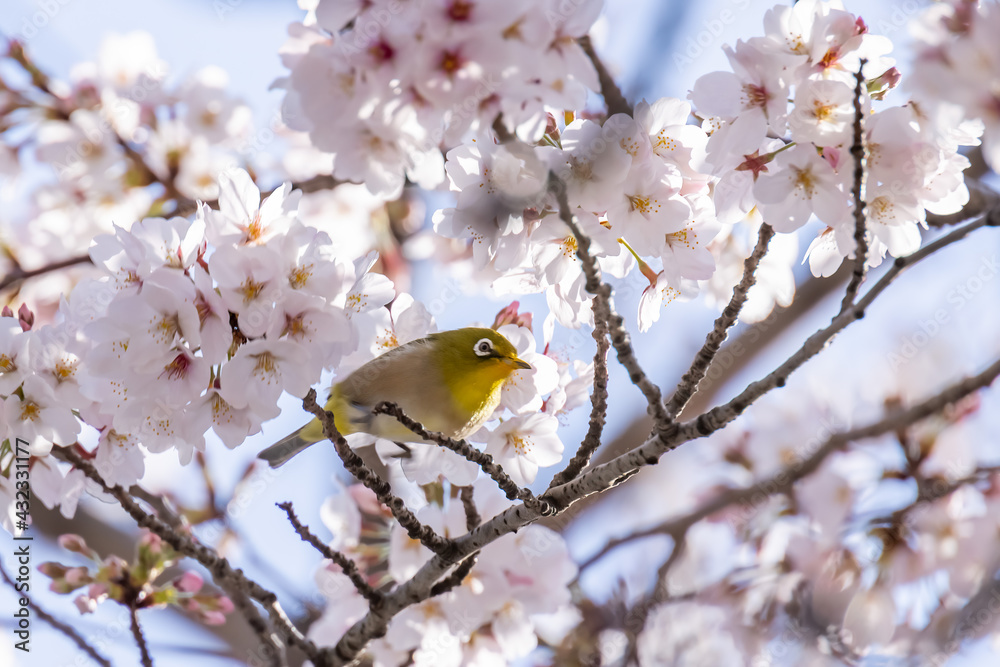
(17, 274)
(860, 229)
(356, 466)
(346, 564)
(703, 359)
(640, 611)
(237, 584)
(718, 417)
(64, 628)
(604, 310)
(472, 518)
(260, 626)
(140, 640)
(598, 407)
(612, 95)
(466, 451)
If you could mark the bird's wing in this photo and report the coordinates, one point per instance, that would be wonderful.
(409, 377)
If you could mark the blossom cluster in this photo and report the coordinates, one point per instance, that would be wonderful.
(382, 85)
(197, 324)
(111, 578)
(123, 139)
(957, 66)
(516, 593)
(782, 126)
(871, 554)
(632, 185)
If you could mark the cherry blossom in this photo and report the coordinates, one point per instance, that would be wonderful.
(522, 444)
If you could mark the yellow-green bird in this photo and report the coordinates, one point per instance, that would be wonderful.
(450, 382)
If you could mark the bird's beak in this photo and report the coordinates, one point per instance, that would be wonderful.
(517, 363)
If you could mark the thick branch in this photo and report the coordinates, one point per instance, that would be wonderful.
(349, 567)
(356, 466)
(699, 367)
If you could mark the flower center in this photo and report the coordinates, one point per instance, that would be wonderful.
(300, 275)
(30, 411)
(251, 290)
(644, 205)
(7, 364)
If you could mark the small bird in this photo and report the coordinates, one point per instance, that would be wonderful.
(449, 381)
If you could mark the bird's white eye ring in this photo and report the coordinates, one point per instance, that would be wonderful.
(484, 347)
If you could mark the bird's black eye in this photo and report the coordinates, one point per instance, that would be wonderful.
(484, 347)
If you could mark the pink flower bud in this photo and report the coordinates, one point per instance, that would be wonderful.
(151, 542)
(77, 576)
(76, 544)
(85, 604)
(25, 317)
(6, 312)
(213, 617)
(53, 570)
(225, 605)
(509, 315)
(189, 582)
(98, 591)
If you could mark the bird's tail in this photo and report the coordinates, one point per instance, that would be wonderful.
(278, 454)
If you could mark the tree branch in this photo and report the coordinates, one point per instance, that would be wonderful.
(598, 407)
(356, 466)
(346, 564)
(140, 640)
(703, 359)
(456, 577)
(17, 274)
(237, 584)
(468, 452)
(785, 479)
(612, 95)
(604, 310)
(860, 230)
(718, 417)
(472, 518)
(599, 478)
